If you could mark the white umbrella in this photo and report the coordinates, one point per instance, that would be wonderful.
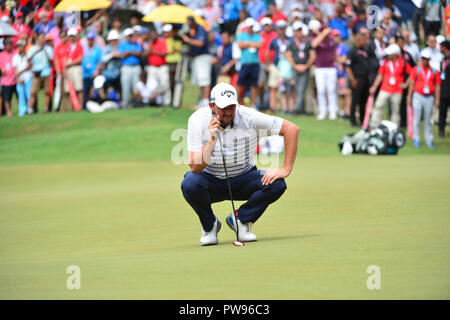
(6, 30)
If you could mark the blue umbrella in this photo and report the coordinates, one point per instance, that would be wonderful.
(406, 7)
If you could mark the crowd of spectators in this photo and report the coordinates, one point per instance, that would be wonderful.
(297, 57)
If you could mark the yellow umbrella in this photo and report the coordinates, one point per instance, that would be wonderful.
(81, 5)
(173, 13)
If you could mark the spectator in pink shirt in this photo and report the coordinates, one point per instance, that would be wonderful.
(8, 81)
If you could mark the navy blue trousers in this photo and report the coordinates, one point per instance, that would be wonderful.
(202, 189)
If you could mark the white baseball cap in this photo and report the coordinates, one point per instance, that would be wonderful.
(392, 49)
(72, 32)
(297, 25)
(256, 27)
(224, 95)
(249, 22)
(314, 25)
(281, 23)
(266, 21)
(128, 32)
(440, 38)
(113, 35)
(426, 53)
(167, 28)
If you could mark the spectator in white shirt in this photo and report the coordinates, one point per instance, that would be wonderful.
(436, 55)
(24, 76)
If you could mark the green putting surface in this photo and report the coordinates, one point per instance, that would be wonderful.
(101, 192)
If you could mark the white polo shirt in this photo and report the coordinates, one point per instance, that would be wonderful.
(239, 141)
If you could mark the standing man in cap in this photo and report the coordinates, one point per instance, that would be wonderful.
(111, 61)
(41, 57)
(130, 52)
(197, 39)
(277, 47)
(249, 42)
(239, 128)
(173, 53)
(157, 68)
(357, 68)
(24, 76)
(301, 55)
(390, 76)
(425, 83)
(265, 56)
(73, 70)
(326, 74)
(91, 64)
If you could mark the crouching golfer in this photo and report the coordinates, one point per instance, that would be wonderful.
(239, 128)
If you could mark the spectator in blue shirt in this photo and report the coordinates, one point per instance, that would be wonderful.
(44, 26)
(225, 54)
(344, 92)
(233, 12)
(249, 42)
(340, 22)
(91, 64)
(130, 52)
(256, 8)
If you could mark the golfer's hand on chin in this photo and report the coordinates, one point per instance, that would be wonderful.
(214, 127)
(273, 175)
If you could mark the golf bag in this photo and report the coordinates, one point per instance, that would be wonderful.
(384, 139)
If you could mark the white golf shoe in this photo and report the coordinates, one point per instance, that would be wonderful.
(210, 238)
(245, 230)
(321, 116)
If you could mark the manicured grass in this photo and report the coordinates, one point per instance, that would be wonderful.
(100, 191)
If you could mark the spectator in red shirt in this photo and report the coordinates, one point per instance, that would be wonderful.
(425, 81)
(4, 11)
(390, 76)
(158, 68)
(60, 56)
(267, 35)
(274, 13)
(21, 27)
(72, 68)
(46, 6)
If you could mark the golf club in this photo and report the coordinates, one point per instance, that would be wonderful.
(236, 243)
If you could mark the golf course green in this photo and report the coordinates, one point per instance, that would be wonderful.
(100, 191)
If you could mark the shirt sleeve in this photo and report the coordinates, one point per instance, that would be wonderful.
(15, 61)
(350, 58)
(50, 52)
(414, 74)
(438, 77)
(381, 69)
(262, 121)
(194, 136)
(121, 48)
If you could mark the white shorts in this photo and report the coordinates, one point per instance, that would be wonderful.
(201, 70)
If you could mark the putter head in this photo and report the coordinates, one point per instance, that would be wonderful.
(238, 244)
